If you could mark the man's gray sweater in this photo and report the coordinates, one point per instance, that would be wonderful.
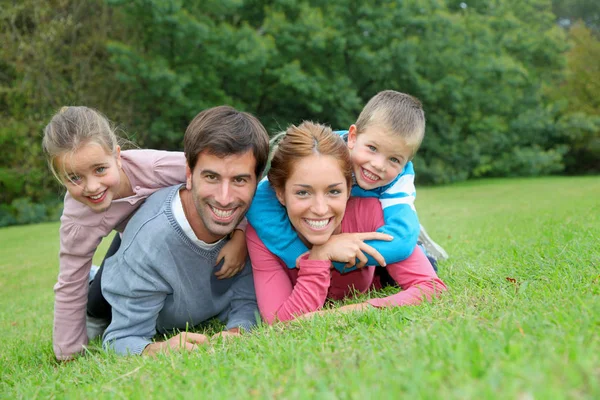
(159, 281)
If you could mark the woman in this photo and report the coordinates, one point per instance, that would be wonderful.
(311, 174)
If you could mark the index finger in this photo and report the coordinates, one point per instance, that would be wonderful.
(373, 253)
(375, 236)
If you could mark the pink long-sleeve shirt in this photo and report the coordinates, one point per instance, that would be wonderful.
(82, 230)
(284, 293)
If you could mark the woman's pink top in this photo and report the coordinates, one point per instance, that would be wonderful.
(82, 230)
(284, 293)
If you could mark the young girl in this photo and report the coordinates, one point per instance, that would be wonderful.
(105, 186)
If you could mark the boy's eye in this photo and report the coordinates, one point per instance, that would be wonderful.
(372, 148)
(395, 160)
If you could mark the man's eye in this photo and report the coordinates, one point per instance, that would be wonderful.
(240, 180)
(211, 177)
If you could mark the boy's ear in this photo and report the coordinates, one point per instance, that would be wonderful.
(188, 177)
(352, 136)
(280, 197)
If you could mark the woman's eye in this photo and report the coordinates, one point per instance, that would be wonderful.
(335, 192)
(301, 193)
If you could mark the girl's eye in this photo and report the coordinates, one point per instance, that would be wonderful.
(372, 148)
(74, 178)
(100, 170)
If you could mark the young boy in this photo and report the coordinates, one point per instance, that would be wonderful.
(382, 143)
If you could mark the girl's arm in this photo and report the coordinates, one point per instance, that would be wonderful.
(399, 214)
(278, 298)
(77, 246)
(269, 218)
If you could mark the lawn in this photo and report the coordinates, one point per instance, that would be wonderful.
(521, 319)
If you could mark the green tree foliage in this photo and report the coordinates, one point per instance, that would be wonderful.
(485, 70)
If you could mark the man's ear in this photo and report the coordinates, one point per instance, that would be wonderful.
(352, 136)
(188, 178)
(280, 197)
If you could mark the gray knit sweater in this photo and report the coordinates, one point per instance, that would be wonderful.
(159, 281)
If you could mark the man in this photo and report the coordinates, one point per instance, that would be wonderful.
(162, 278)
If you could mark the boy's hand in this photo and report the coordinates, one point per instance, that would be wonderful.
(347, 247)
(235, 253)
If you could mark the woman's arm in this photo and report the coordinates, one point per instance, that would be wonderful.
(416, 277)
(278, 298)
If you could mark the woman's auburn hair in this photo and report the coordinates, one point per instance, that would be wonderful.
(304, 140)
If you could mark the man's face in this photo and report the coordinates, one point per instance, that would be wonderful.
(222, 189)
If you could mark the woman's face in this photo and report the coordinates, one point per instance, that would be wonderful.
(315, 196)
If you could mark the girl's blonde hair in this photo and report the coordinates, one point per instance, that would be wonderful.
(73, 127)
(302, 141)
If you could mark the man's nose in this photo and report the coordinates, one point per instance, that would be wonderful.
(223, 196)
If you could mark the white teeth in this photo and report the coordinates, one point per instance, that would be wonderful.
(222, 213)
(96, 197)
(369, 175)
(317, 223)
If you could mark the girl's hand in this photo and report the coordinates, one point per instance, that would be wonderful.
(235, 253)
(347, 247)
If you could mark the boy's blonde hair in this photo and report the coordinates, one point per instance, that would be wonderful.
(73, 127)
(399, 113)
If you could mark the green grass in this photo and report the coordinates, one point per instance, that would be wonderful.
(521, 319)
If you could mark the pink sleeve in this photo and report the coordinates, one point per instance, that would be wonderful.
(277, 297)
(77, 247)
(169, 168)
(243, 225)
(416, 277)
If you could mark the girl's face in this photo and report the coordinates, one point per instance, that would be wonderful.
(92, 175)
(315, 196)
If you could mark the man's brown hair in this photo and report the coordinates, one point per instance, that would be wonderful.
(223, 131)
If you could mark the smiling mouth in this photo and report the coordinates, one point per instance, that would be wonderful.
(369, 175)
(222, 215)
(98, 197)
(318, 224)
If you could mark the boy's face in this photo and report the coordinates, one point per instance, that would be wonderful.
(378, 156)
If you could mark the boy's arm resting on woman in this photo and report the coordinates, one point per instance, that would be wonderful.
(278, 299)
(400, 217)
(269, 218)
(77, 247)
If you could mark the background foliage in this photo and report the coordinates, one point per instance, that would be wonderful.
(509, 87)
